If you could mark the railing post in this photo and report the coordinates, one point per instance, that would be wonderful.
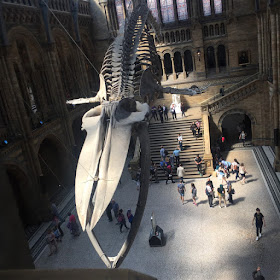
(208, 159)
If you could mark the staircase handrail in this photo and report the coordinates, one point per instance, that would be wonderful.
(231, 89)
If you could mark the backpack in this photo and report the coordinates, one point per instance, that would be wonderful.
(166, 152)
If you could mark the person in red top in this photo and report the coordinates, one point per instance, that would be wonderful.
(72, 225)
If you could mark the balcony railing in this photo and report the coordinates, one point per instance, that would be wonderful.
(30, 3)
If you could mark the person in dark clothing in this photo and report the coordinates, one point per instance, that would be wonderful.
(160, 112)
(121, 220)
(165, 112)
(109, 212)
(230, 193)
(115, 207)
(173, 111)
(198, 162)
(259, 218)
(257, 275)
(169, 176)
(154, 113)
(129, 216)
(183, 109)
(222, 91)
(193, 128)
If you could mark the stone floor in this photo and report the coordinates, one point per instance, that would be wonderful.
(202, 242)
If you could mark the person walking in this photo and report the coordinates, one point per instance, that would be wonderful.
(155, 172)
(242, 172)
(242, 137)
(221, 194)
(72, 225)
(209, 193)
(121, 220)
(57, 223)
(193, 192)
(115, 207)
(162, 153)
(193, 129)
(183, 109)
(176, 154)
(198, 162)
(257, 275)
(180, 141)
(210, 183)
(171, 160)
(260, 222)
(165, 112)
(160, 112)
(168, 174)
(173, 111)
(198, 126)
(129, 216)
(109, 212)
(51, 241)
(235, 168)
(230, 192)
(181, 172)
(181, 190)
(154, 113)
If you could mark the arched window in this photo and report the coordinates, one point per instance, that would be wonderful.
(167, 11)
(182, 9)
(183, 35)
(172, 37)
(177, 36)
(188, 34)
(211, 62)
(178, 62)
(119, 9)
(152, 4)
(218, 6)
(129, 6)
(206, 7)
(167, 64)
(205, 30)
(217, 30)
(222, 28)
(188, 61)
(167, 39)
(211, 28)
(222, 56)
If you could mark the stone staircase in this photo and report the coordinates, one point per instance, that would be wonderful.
(166, 134)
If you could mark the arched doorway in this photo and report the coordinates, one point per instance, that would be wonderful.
(233, 123)
(210, 58)
(79, 136)
(222, 56)
(18, 182)
(188, 61)
(55, 167)
(167, 64)
(178, 62)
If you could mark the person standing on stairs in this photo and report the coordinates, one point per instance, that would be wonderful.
(198, 125)
(176, 154)
(198, 162)
(181, 172)
(183, 109)
(168, 174)
(165, 112)
(173, 111)
(154, 113)
(160, 112)
(180, 141)
(193, 128)
(162, 153)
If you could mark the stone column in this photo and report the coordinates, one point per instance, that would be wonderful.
(159, 12)
(216, 60)
(173, 68)
(15, 253)
(260, 44)
(175, 11)
(275, 85)
(163, 69)
(227, 59)
(183, 66)
(208, 159)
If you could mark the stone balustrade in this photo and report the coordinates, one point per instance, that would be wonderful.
(30, 3)
(59, 5)
(84, 8)
(222, 102)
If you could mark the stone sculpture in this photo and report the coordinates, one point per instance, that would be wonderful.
(130, 70)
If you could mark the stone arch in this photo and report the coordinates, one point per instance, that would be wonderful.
(55, 165)
(167, 63)
(233, 121)
(20, 185)
(178, 62)
(236, 111)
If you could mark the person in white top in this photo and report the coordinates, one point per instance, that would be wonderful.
(180, 141)
(235, 168)
(181, 172)
(242, 172)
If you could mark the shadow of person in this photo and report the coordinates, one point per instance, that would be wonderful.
(252, 180)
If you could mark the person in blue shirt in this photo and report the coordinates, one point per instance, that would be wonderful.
(162, 153)
(176, 154)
